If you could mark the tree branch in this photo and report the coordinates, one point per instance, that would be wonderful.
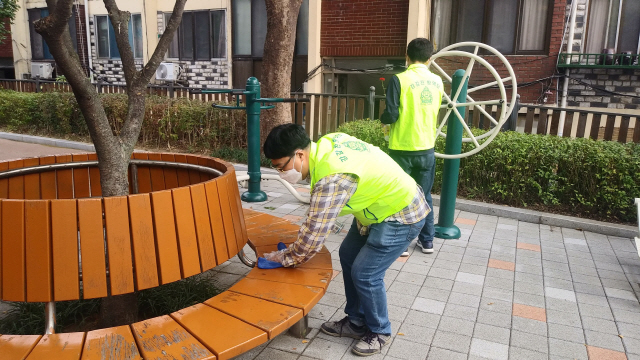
(55, 31)
(164, 42)
(120, 21)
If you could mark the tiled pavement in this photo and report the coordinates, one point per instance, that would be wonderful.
(505, 290)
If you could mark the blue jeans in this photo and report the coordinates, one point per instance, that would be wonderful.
(365, 260)
(422, 169)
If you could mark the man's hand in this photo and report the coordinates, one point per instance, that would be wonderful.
(273, 260)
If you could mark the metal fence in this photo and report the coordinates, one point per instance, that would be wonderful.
(324, 113)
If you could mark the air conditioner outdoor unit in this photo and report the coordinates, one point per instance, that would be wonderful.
(41, 70)
(167, 71)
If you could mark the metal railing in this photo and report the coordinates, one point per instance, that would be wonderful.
(609, 61)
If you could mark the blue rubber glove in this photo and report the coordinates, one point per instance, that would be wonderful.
(266, 264)
(281, 246)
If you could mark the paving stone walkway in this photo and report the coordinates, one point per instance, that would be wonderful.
(505, 290)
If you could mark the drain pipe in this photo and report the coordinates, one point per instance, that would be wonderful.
(565, 83)
(88, 36)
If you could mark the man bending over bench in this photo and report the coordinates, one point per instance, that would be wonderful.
(350, 176)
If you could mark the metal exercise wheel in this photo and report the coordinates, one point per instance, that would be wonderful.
(452, 106)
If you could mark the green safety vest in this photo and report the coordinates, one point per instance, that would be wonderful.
(420, 99)
(383, 187)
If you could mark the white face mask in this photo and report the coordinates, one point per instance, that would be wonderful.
(292, 176)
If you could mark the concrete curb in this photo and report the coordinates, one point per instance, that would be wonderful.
(48, 141)
(476, 207)
(537, 217)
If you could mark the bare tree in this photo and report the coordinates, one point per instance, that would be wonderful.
(282, 18)
(113, 150)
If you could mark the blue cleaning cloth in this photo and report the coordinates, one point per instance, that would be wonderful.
(266, 264)
(281, 246)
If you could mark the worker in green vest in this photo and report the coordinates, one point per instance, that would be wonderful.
(413, 101)
(350, 177)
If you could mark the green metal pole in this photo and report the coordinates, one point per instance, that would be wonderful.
(445, 229)
(253, 136)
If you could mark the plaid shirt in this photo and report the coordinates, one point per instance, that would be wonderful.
(329, 196)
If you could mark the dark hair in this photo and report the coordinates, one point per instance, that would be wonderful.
(419, 49)
(284, 140)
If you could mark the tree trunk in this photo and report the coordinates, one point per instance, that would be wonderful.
(113, 150)
(282, 18)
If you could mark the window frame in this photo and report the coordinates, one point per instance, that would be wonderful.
(618, 20)
(73, 32)
(485, 27)
(178, 36)
(132, 40)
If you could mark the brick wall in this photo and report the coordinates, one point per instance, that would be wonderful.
(6, 50)
(623, 81)
(212, 74)
(364, 27)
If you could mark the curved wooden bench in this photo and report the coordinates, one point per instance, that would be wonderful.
(59, 240)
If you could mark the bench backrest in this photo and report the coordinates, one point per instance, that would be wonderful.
(60, 240)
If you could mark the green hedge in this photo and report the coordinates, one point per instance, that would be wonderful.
(182, 123)
(580, 177)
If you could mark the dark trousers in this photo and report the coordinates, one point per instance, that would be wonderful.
(421, 165)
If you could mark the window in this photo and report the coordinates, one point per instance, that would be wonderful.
(106, 37)
(39, 47)
(613, 24)
(201, 36)
(511, 26)
(250, 28)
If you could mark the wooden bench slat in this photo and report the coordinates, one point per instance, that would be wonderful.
(249, 214)
(187, 241)
(111, 343)
(144, 175)
(94, 278)
(203, 227)
(203, 161)
(13, 251)
(119, 245)
(48, 189)
(163, 338)
(309, 277)
(66, 346)
(94, 178)
(227, 216)
(64, 248)
(64, 178)
(166, 238)
(236, 210)
(239, 210)
(157, 173)
(228, 338)
(260, 221)
(183, 174)
(194, 176)
(4, 183)
(299, 296)
(16, 183)
(81, 187)
(322, 260)
(215, 216)
(32, 181)
(17, 347)
(269, 316)
(38, 250)
(144, 254)
(170, 173)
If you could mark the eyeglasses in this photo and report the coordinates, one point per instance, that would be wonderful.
(283, 166)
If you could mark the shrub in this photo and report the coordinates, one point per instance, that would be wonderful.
(580, 177)
(182, 123)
